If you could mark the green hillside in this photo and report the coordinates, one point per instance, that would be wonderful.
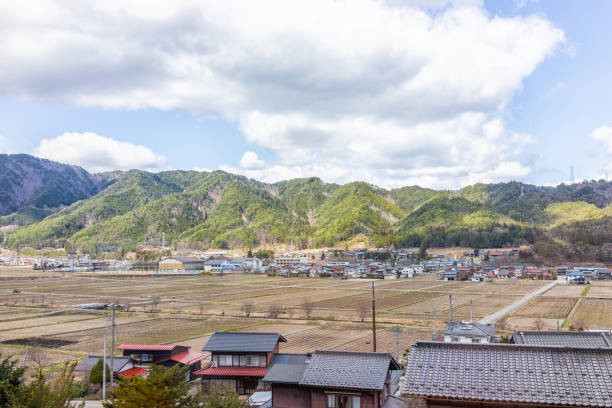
(353, 209)
(451, 220)
(189, 209)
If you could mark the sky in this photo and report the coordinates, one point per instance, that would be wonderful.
(440, 93)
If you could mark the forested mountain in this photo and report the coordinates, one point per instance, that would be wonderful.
(188, 209)
(32, 188)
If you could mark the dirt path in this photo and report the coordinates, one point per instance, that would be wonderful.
(492, 318)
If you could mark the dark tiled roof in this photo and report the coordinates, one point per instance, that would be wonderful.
(347, 369)
(245, 342)
(564, 338)
(286, 368)
(470, 329)
(511, 373)
(188, 259)
(89, 362)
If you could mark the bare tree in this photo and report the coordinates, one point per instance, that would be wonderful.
(539, 324)
(38, 356)
(364, 311)
(128, 305)
(275, 310)
(308, 306)
(201, 308)
(155, 300)
(247, 308)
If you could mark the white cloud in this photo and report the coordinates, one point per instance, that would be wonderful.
(250, 160)
(98, 153)
(380, 89)
(603, 134)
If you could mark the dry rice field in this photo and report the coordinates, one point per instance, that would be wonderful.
(190, 308)
(546, 307)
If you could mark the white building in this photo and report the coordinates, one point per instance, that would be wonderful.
(469, 332)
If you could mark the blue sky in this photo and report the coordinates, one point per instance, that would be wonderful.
(440, 94)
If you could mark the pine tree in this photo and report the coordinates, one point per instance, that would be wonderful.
(162, 388)
(10, 380)
(96, 372)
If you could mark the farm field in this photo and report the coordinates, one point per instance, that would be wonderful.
(566, 291)
(592, 314)
(187, 309)
(546, 307)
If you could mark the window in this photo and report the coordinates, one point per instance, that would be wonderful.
(343, 401)
(146, 357)
(454, 338)
(252, 361)
(262, 361)
(236, 360)
(243, 360)
(475, 340)
(225, 360)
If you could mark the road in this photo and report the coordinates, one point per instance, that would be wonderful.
(492, 318)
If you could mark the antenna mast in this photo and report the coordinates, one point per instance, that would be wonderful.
(572, 174)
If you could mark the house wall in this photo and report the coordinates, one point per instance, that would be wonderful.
(294, 396)
(170, 264)
(290, 396)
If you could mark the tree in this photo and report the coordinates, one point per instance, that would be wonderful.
(162, 388)
(222, 400)
(476, 252)
(423, 250)
(38, 356)
(308, 306)
(96, 373)
(364, 311)
(45, 393)
(247, 308)
(539, 324)
(250, 254)
(154, 302)
(276, 310)
(10, 380)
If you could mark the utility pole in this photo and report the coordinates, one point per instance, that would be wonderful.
(104, 364)
(112, 356)
(373, 318)
(397, 334)
(435, 321)
(450, 310)
(471, 311)
(25, 356)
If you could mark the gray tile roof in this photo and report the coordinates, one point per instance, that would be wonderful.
(348, 369)
(564, 338)
(89, 362)
(286, 368)
(511, 373)
(470, 329)
(243, 342)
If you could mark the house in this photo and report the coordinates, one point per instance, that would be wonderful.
(584, 339)
(167, 355)
(507, 375)
(182, 263)
(215, 265)
(468, 332)
(239, 361)
(252, 264)
(331, 379)
(120, 365)
(145, 266)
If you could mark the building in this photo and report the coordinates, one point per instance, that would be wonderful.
(251, 264)
(120, 365)
(331, 379)
(467, 332)
(185, 263)
(239, 361)
(290, 260)
(507, 375)
(145, 266)
(584, 339)
(168, 355)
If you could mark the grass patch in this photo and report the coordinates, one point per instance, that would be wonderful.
(586, 290)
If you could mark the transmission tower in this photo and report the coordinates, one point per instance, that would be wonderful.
(572, 174)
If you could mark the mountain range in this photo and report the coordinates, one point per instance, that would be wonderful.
(49, 204)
